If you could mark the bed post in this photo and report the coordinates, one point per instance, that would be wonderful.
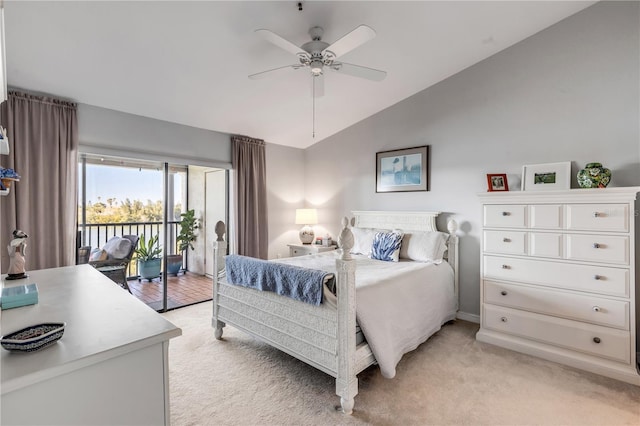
(346, 380)
(452, 248)
(219, 251)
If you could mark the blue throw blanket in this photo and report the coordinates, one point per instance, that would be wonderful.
(298, 283)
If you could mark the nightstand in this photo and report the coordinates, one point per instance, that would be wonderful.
(305, 249)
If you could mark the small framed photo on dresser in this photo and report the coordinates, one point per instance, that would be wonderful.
(497, 182)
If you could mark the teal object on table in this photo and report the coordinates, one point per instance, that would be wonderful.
(20, 295)
(594, 176)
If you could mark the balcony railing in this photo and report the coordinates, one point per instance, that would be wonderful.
(96, 235)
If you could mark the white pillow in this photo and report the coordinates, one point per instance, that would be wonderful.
(97, 255)
(363, 240)
(424, 246)
(117, 247)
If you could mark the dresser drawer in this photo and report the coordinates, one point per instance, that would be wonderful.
(510, 242)
(598, 248)
(505, 215)
(587, 338)
(545, 244)
(545, 216)
(593, 309)
(598, 217)
(295, 252)
(593, 279)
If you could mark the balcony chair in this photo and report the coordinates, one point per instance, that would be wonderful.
(116, 268)
(83, 255)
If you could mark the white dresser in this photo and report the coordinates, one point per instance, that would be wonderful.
(559, 277)
(109, 368)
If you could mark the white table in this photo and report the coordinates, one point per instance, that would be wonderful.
(110, 367)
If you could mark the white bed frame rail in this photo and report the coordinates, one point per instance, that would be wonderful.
(322, 336)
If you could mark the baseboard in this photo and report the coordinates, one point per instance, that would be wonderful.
(468, 317)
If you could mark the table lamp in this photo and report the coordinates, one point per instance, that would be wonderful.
(306, 217)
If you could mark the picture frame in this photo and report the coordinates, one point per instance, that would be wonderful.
(497, 182)
(403, 170)
(546, 177)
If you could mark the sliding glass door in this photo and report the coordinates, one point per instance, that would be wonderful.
(121, 196)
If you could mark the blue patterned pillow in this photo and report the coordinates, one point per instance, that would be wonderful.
(386, 246)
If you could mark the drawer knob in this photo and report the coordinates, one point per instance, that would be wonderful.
(597, 277)
(596, 309)
(505, 213)
(506, 240)
(504, 319)
(596, 214)
(506, 267)
(596, 245)
(503, 292)
(596, 339)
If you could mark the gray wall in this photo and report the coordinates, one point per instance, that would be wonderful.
(285, 193)
(568, 93)
(108, 132)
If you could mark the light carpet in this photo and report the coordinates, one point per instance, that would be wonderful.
(450, 379)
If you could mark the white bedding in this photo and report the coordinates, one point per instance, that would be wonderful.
(398, 305)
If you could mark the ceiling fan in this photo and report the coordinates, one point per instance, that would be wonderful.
(317, 56)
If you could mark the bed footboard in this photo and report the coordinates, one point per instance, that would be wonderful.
(219, 252)
(322, 336)
(346, 380)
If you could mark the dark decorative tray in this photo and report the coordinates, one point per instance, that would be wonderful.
(34, 337)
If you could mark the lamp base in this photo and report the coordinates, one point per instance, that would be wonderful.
(306, 234)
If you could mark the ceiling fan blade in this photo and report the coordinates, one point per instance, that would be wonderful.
(279, 41)
(358, 71)
(273, 71)
(317, 85)
(350, 41)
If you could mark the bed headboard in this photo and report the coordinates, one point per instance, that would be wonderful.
(413, 221)
(406, 221)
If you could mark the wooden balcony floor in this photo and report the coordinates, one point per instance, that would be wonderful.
(185, 289)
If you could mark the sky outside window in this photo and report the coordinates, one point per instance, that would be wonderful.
(124, 182)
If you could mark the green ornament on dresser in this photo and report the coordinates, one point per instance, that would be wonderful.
(594, 176)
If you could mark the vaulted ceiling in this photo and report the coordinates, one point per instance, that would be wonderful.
(188, 62)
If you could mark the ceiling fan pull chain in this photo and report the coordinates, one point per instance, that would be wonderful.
(313, 108)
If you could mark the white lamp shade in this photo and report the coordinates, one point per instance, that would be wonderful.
(306, 217)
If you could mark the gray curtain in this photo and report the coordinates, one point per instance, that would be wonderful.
(248, 162)
(43, 143)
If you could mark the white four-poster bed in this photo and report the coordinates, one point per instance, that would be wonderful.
(325, 336)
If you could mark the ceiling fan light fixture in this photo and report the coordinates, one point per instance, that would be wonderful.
(316, 67)
(316, 54)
